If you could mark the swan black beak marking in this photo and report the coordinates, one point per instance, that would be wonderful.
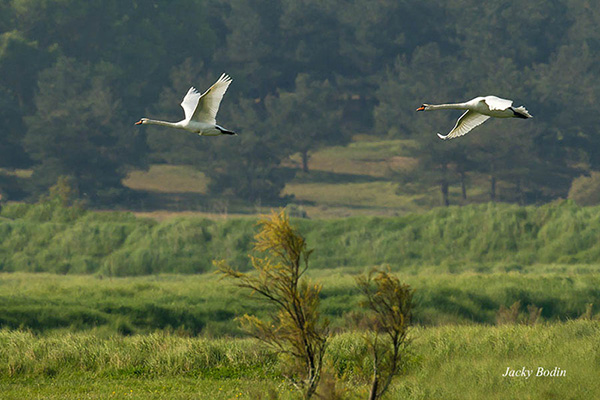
(420, 108)
(139, 122)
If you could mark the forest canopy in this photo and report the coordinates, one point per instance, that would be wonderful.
(74, 76)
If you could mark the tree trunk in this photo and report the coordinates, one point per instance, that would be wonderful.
(313, 373)
(492, 183)
(520, 193)
(463, 185)
(445, 199)
(444, 187)
(375, 383)
(305, 161)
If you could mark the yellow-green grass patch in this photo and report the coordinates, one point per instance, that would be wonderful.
(168, 179)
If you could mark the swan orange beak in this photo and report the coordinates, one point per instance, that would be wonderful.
(139, 122)
(420, 108)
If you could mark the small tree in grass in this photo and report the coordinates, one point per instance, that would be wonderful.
(390, 303)
(297, 328)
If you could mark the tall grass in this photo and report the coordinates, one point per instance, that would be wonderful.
(451, 362)
(158, 354)
(207, 306)
(42, 238)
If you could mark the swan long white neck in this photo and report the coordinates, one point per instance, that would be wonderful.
(163, 123)
(452, 106)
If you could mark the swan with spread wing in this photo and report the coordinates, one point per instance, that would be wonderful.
(200, 111)
(479, 110)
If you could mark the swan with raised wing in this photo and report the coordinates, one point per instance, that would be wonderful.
(200, 111)
(479, 110)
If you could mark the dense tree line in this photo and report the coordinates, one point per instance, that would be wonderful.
(74, 76)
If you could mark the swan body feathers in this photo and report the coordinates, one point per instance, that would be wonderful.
(478, 110)
(200, 110)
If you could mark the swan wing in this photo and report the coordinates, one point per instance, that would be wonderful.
(190, 101)
(496, 103)
(469, 120)
(208, 104)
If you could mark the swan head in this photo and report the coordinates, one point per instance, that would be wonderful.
(424, 107)
(141, 121)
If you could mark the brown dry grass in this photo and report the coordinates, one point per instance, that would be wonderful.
(168, 179)
(163, 215)
(19, 173)
(361, 157)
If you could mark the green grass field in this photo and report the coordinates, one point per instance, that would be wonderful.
(450, 362)
(206, 305)
(106, 305)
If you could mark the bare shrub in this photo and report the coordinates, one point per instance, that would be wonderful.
(508, 315)
(296, 330)
(390, 304)
(588, 314)
(513, 315)
(533, 314)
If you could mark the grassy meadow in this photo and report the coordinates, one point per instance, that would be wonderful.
(167, 179)
(104, 305)
(206, 305)
(174, 336)
(450, 362)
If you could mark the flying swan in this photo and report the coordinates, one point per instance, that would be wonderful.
(478, 111)
(200, 111)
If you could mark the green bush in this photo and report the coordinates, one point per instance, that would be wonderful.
(585, 190)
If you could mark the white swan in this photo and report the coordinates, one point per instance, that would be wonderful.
(200, 111)
(478, 111)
